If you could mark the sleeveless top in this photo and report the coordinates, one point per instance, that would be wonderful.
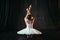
(29, 25)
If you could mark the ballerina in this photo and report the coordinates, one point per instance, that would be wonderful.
(29, 20)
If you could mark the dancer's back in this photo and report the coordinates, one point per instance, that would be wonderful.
(29, 25)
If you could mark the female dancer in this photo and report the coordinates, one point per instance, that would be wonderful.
(29, 20)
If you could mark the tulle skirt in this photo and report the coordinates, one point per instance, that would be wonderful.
(29, 31)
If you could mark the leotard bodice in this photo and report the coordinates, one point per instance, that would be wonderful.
(29, 25)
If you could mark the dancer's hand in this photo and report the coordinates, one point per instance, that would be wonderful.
(28, 11)
(30, 7)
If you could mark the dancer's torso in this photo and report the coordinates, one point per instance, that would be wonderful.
(29, 25)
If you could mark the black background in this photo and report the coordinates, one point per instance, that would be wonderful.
(46, 13)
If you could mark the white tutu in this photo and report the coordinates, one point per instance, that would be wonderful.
(29, 30)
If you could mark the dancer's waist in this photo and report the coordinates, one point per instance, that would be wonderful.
(30, 27)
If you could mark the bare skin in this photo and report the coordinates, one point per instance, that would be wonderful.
(29, 21)
(28, 12)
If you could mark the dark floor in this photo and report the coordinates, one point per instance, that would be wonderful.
(47, 35)
(24, 37)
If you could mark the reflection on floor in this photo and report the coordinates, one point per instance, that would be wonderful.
(24, 37)
(47, 35)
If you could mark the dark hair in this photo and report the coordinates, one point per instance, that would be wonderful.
(29, 17)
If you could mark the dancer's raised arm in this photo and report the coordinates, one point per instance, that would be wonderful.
(28, 11)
